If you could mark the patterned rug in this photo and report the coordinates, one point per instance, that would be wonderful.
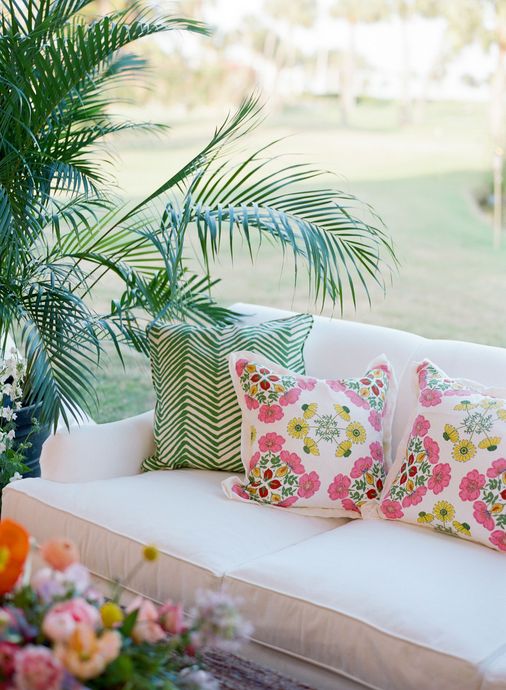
(234, 673)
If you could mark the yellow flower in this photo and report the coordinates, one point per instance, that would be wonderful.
(491, 403)
(490, 443)
(275, 498)
(464, 451)
(410, 485)
(111, 614)
(311, 447)
(150, 553)
(420, 457)
(451, 433)
(250, 368)
(364, 392)
(253, 390)
(309, 410)
(462, 527)
(502, 415)
(342, 412)
(279, 388)
(463, 405)
(356, 432)
(252, 434)
(281, 471)
(255, 473)
(343, 449)
(85, 655)
(497, 508)
(369, 478)
(425, 517)
(297, 427)
(444, 511)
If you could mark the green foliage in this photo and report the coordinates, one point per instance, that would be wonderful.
(61, 233)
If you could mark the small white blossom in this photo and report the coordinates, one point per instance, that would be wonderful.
(15, 477)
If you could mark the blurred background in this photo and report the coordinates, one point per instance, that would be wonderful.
(402, 101)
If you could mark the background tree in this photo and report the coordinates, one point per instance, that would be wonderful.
(354, 12)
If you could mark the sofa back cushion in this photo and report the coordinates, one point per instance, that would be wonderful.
(337, 348)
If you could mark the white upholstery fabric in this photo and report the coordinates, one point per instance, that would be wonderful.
(100, 451)
(392, 606)
(200, 533)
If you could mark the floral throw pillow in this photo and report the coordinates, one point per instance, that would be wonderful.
(316, 446)
(450, 470)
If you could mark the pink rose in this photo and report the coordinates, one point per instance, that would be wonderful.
(290, 397)
(356, 399)
(498, 539)
(498, 467)
(336, 385)
(376, 451)
(60, 621)
(430, 397)
(360, 467)
(241, 492)
(308, 485)
(482, 515)
(270, 414)
(420, 426)
(239, 366)
(8, 651)
(271, 443)
(471, 485)
(251, 403)
(431, 448)
(415, 497)
(339, 487)
(307, 383)
(375, 420)
(440, 478)
(37, 669)
(287, 502)
(254, 460)
(391, 509)
(350, 505)
(293, 461)
(147, 627)
(172, 618)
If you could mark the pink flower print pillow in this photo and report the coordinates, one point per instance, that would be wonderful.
(313, 446)
(450, 470)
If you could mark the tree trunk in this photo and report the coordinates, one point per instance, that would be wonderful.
(405, 98)
(347, 77)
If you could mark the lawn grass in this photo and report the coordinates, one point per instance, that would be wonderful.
(421, 180)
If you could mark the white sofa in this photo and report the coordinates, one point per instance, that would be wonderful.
(335, 603)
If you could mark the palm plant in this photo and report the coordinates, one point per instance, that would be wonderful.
(62, 231)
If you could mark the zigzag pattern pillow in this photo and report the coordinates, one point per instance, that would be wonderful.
(197, 417)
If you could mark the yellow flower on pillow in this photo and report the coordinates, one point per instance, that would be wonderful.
(343, 449)
(297, 427)
(462, 527)
(309, 410)
(342, 412)
(464, 451)
(444, 511)
(311, 447)
(425, 517)
(490, 443)
(451, 433)
(356, 432)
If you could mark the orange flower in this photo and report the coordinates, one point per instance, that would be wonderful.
(14, 547)
(59, 553)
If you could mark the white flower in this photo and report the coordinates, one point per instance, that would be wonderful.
(15, 477)
(11, 434)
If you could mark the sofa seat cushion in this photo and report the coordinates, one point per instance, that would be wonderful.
(200, 533)
(387, 604)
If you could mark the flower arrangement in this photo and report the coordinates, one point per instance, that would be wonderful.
(57, 632)
(12, 454)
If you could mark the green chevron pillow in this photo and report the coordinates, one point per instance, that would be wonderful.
(197, 416)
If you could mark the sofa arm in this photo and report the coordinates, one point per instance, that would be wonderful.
(99, 451)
